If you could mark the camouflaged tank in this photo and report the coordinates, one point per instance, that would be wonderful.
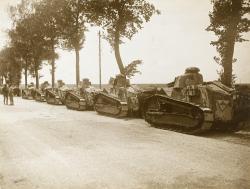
(40, 94)
(29, 92)
(56, 96)
(122, 99)
(192, 105)
(82, 97)
(117, 101)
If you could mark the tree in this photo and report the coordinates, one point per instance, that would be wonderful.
(3, 66)
(22, 50)
(36, 43)
(228, 20)
(121, 19)
(73, 23)
(19, 37)
(10, 66)
(131, 69)
(48, 12)
(30, 35)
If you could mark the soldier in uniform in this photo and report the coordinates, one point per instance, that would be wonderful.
(5, 92)
(11, 95)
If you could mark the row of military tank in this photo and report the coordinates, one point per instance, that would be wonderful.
(188, 104)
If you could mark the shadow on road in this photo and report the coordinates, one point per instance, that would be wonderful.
(241, 136)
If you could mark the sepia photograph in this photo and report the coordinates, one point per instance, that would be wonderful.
(124, 94)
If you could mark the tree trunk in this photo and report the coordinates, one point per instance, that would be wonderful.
(228, 64)
(2, 80)
(53, 68)
(5, 79)
(227, 61)
(117, 52)
(37, 75)
(77, 66)
(26, 74)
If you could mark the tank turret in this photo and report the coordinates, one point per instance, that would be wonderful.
(44, 85)
(60, 83)
(85, 83)
(190, 79)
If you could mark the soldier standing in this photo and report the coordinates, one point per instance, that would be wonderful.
(5, 91)
(11, 95)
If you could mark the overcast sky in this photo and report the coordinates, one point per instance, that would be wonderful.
(172, 41)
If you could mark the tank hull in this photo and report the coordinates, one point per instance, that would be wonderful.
(75, 102)
(27, 94)
(109, 105)
(40, 96)
(53, 98)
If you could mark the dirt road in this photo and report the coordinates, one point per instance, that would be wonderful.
(50, 147)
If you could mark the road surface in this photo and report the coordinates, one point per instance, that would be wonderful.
(49, 147)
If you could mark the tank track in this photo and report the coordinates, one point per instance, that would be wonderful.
(53, 98)
(109, 105)
(177, 115)
(75, 102)
(40, 96)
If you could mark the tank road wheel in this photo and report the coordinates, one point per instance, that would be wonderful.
(196, 114)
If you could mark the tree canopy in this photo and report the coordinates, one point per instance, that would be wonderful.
(120, 19)
(48, 12)
(41, 26)
(10, 66)
(72, 22)
(229, 19)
